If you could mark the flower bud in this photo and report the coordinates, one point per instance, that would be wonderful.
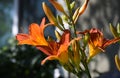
(50, 15)
(117, 61)
(118, 29)
(57, 5)
(74, 54)
(81, 10)
(72, 5)
(58, 36)
(114, 31)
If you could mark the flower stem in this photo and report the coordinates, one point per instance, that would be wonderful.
(70, 16)
(84, 61)
(87, 71)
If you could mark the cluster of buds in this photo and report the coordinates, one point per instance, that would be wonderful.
(116, 33)
(70, 47)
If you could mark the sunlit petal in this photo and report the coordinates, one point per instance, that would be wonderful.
(35, 36)
(24, 39)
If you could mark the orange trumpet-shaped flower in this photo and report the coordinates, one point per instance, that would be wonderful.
(54, 50)
(57, 50)
(35, 36)
(97, 42)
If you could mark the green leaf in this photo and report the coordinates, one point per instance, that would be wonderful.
(114, 31)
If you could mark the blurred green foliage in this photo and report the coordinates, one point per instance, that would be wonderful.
(23, 62)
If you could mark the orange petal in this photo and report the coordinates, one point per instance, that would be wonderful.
(34, 30)
(35, 36)
(96, 37)
(64, 44)
(24, 39)
(109, 42)
(65, 41)
(45, 49)
(49, 58)
(52, 49)
(93, 50)
(37, 31)
(42, 26)
(63, 57)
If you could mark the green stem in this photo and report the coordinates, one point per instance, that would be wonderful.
(87, 71)
(70, 16)
(84, 57)
(84, 61)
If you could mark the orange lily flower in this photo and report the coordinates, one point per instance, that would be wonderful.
(54, 50)
(97, 42)
(35, 36)
(57, 50)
